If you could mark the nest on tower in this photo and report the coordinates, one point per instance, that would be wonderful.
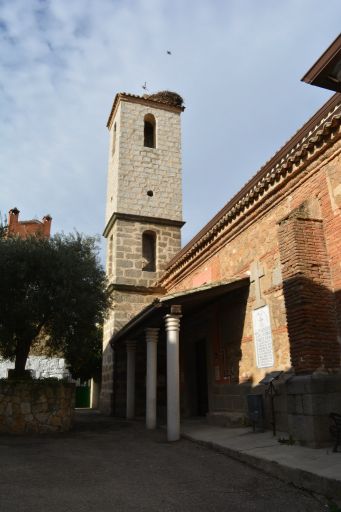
(168, 97)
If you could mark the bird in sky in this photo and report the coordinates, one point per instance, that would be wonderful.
(144, 86)
(169, 52)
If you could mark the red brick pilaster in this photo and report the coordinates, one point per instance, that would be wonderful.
(309, 300)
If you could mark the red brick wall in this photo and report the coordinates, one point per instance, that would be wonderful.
(254, 235)
(309, 299)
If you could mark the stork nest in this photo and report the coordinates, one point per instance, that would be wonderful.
(168, 97)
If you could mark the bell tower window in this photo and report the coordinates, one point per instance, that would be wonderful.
(149, 131)
(110, 255)
(149, 251)
(113, 143)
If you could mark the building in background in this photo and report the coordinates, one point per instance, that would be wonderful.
(25, 228)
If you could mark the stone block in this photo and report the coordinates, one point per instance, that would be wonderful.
(132, 273)
(25, 408)
(301, 428)
(227, 419)
(335, 401)
(315, 404)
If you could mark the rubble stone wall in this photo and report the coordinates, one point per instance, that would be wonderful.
(36, 406)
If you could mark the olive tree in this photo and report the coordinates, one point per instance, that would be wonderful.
(52, 288)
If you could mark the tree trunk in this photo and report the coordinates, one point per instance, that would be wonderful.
(21, 355)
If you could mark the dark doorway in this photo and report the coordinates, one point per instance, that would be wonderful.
(201, 377)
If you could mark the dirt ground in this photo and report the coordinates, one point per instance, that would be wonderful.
(107, 464)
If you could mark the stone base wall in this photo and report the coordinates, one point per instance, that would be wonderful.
(36, 406)
(302, 407)
(310, 400)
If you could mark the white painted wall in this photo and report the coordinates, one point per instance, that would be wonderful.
(41, 367)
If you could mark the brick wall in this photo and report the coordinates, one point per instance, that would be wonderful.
(254, 236)
(309, 299)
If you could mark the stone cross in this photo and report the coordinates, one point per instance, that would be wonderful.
(257, 272)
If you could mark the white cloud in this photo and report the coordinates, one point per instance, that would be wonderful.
(237, 64)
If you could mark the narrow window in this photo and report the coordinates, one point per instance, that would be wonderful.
(149, 251)
(113, 144)
(149, 131)
(110, 255)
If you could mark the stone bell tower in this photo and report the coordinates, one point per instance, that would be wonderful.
(143, 209)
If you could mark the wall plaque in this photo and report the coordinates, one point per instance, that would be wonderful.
(262, 337)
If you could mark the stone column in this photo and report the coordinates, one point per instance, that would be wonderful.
(131, 351)
(94, 394)
(173, 377)
(152, 335)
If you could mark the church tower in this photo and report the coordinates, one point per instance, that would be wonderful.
(143, 209)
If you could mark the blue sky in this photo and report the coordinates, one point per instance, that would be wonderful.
(237, 63)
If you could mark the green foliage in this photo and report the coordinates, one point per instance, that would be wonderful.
(333, 507)
(3, 226)
(85, 358)
(55, 287)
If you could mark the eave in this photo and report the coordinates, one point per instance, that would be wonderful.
(296, 150)
(326, 72)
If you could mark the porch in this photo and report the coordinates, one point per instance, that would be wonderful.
(170, 361)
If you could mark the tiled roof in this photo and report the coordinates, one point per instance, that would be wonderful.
(319, 127)
(33, 221)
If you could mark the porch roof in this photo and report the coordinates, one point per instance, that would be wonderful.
(189, 300)
(326, 72)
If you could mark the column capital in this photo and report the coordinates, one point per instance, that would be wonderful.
(152, 334)
(131, 345)
(172, 322)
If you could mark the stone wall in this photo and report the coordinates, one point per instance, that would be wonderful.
(302, 406)
(36, 406)
(310, 400)
(126, 305)
(144, 197)
(135, 169)
(41, 367)
(127, 261)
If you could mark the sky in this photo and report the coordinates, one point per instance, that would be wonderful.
(236, 63)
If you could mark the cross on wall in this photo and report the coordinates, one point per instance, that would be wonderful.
(257, 272)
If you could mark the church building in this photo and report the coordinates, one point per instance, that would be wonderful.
(253, 298)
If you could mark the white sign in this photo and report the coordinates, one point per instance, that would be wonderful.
(262, 337)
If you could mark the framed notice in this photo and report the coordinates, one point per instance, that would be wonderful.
(262, 337)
